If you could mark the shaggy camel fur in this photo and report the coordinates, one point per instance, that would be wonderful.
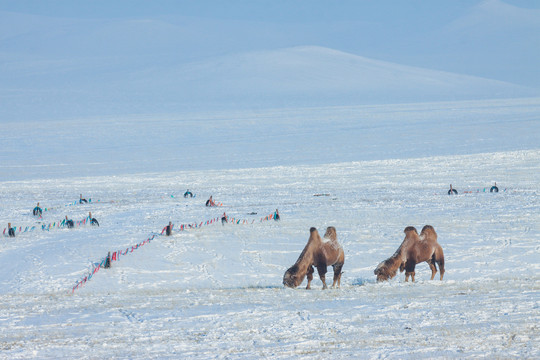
(413, 250)
(319, 253)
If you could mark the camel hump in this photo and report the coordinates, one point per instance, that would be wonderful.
(331, 233)
(429, 232)
(409, 229)
(312, 229)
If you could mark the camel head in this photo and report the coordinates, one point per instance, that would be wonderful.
(291, 278)
(385, 270)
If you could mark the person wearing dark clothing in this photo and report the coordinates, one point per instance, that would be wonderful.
(11, 231)
(223, 219)
(276, 215)
(168, 229)
(69, 223)
(82, 201)
(93, 221)
(494, 188)
(108, 261)
(452, 191)
(188, 194)
(210, 202)
(37, 210)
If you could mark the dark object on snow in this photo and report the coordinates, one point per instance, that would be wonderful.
(108, 261)
(168, 229)
(210, 202)
(69, 223)
(188, 194)
(494, 188)
(452, 191)
(11, 231)
(223, 219)
(37, 210)
(93, 221)
(276, 215)
(82, 201)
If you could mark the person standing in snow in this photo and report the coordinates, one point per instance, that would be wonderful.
(93, 221)
(69, 223)
(37, 210)
(168, 229)
(11, 231)
(276, 215)
(224, 219)
(210, 202)
(107, 261)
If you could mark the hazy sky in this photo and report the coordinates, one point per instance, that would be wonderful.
(72, 45)
(261, 10)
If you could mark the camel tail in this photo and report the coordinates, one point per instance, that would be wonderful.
(439, 258)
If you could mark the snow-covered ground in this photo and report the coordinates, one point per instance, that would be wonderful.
(262, 138)
(352, 115)
(216, 291)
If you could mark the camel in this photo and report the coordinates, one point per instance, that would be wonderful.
(413, 250)
(319, 253)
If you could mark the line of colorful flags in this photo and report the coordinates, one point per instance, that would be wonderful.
(105, 262)
(115, 256)
(47, 227)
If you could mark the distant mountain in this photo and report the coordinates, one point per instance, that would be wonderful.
(310, 76)
(53, 68)
(300, 76)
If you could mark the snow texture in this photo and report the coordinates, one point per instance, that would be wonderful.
(355, 119)
(216, 292)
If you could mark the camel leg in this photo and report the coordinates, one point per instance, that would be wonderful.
(409, 270)
(433, 268)
(438, 257)
(337, 275)
(407, 276)
(441, 268)
(322, 274)
(309, 277)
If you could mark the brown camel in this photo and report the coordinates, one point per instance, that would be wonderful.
(413, 250)
(319, 253)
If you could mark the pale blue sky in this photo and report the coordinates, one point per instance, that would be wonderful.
(262, 10)
(73, 44)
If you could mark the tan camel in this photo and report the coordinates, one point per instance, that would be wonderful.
(319, 253)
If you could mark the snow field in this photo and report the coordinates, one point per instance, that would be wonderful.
(216, 292)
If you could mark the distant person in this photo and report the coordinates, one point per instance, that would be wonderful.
(69, 223)
(93, 221)
(82, 201)
(276, 215)
(452, 191)
(37, 210)
(108, 261)
(168, 229)
(11, 231)
(188, 194)
(210, 202)
(494, 188)
(224, 219)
